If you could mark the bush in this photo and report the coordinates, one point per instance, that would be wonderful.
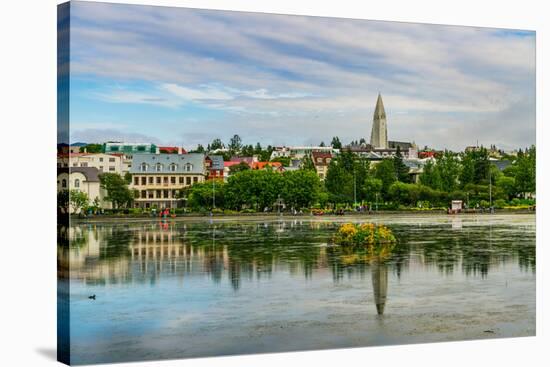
(378, 239)
(500, 203)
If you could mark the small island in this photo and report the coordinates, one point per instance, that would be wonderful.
(377, 239)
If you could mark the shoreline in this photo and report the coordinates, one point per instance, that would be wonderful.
(271, 216)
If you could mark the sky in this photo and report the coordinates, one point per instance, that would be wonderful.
(177, 76)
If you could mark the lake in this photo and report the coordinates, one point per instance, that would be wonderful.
(186, 288)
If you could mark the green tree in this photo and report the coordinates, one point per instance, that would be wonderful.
(117, 189)
(93, 148)
(448, 167)
(339, 183)
(401, 169)
(307, 163)
(79, 200)
(216, 144)
(300, 188)
(372, 189)
(525, 171)
(431, 176)
(385, 171)
(507, 185)
(235, 144)
(336, 143)
(206, 195)
(243, 166)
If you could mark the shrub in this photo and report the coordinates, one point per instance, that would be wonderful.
(377, 239)
(500, 203)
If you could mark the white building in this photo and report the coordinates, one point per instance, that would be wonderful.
(105, 163)
(300, 152)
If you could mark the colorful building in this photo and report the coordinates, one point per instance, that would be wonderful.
(158, 178)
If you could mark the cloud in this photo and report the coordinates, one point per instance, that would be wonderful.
(292, 72)
(103, 135)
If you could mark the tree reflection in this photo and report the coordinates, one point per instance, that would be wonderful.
(239, 253)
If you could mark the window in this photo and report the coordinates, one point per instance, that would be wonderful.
(143, 194)
(158, 180)
(111, 160)
(159, 195)
(101, 168)
(144, 181)
(188, 180)
(77, 183)
(136, 181)
(101, 159)
(181, 180)
(188, 167)
(173, 167)
(159, 167)
(173, 180)
(195, 179)
(111, 169)
(143, 167)
(151, 180)
(64, 183)
(84, 164)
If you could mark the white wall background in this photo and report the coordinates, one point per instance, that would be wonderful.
(27, 181)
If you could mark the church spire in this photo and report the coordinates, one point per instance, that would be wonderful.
(379, 133)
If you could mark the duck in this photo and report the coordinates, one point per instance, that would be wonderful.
(92, 297)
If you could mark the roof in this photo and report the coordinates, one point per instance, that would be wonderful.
(217, 161)
(248, 160)
(231, 163)
(171, 149)
(262, 165)
(91, 173)
(321, 155)
(181, 161)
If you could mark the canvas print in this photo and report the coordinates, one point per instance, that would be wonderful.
(235, 183)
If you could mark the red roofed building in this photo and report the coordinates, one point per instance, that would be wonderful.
(321, 160)
(172, 150)
(263, 165)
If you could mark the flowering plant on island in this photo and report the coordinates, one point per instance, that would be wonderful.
(378, 239)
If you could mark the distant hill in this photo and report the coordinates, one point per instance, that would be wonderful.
(79, 144)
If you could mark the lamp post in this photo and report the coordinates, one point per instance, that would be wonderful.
(213, 193)
(354, 189)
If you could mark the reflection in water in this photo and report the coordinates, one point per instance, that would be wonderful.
(125, 253)
(173, 289)
(380, 285)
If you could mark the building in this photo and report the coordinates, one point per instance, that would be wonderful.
(85, 179)
(105, 163)
(129, 148)
(321, 160)
(299, 152)
(172, 150)
(275, 166)
(214, 166)
(159, 177)
(379, 132)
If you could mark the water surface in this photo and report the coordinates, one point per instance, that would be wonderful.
(189, 288)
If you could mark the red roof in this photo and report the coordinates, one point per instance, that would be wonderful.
(321, 155)
(262, 165)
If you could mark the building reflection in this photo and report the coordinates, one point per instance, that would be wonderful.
(234, 254)
(379, 271)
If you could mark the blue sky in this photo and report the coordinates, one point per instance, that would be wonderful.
(182, 76)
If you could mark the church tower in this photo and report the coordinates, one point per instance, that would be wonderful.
(379, 133)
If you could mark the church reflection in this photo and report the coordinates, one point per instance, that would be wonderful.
(236, 254)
